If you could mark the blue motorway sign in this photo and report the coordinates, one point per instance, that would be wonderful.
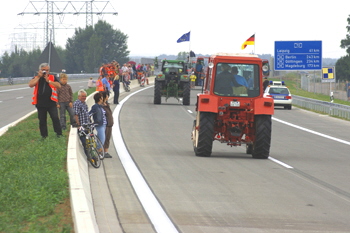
(298, 55)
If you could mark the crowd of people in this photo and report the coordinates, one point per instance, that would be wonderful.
(54, 96)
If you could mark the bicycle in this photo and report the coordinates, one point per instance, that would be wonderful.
(93, 145)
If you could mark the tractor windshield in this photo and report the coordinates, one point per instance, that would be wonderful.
(173, 65)
(232, 79)
(173, 68)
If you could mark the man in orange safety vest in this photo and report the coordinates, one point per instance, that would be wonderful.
(45, 99)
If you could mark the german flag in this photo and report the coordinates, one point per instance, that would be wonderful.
(250, 41)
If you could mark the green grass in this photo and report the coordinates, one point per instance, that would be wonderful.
(34, 194)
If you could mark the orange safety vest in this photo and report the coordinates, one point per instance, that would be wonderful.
(54, 96)
(99, 85)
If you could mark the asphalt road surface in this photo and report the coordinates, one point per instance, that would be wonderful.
(303, 187)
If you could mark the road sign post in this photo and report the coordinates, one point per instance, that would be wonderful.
(298, 55)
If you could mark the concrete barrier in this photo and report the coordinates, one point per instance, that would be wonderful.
(79, 183)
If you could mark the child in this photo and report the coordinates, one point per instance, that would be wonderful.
(193, 79)
(91, 83)
(65, 101)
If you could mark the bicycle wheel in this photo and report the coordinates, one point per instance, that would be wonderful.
(99, 147)
(94, 157)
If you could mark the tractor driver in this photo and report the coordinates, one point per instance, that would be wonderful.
(223, 81)
(240, 80)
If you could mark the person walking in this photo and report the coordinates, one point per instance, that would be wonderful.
(116, 87)
(91, 83)
(99, 84)
(109, 125)
(65, 101)
(99, 116)
(45, 99)
(106, 85)
(193, 78)
(198, 71)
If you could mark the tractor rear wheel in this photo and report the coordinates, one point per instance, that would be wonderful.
(261, 146)
(157, 92)
(203, 134)
(186, 93)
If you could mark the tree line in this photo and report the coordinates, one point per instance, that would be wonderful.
(94, 45)
(85, 51)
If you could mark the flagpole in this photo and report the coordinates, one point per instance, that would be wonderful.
(254, 42)
(189, 51)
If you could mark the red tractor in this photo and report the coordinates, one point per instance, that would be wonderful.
(232, 108)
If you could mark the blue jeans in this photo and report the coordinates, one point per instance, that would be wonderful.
(101, 133)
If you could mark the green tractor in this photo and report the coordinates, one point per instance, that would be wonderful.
(172, 81)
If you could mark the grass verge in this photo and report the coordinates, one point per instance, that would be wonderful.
(292, 80)
(34, 194)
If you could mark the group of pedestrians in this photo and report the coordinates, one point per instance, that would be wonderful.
(51, 94)
(102, 117)
(54, 96)
(109, 79)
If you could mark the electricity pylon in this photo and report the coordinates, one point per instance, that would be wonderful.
(60, 8)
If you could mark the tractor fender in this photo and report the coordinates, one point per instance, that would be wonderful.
(185, 77)
(264, 106)
(207, 103)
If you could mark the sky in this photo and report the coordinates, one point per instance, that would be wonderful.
(154, 26)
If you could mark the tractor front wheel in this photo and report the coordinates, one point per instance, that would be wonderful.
(186, 93)
(157, 92)
(203, 134)
(261, 146)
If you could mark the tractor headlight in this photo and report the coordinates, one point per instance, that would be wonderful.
(265, 68)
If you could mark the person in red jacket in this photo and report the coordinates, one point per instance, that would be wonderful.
(45, 99)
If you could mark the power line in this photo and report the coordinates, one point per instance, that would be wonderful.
(60, 8)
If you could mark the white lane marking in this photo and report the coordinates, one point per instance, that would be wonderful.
(189, 111)
(306, 130)
(280, 163)
(19, 97)
(311, 131)
(154, 210)
(15, 89)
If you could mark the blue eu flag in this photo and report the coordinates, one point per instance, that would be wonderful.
(184, 37)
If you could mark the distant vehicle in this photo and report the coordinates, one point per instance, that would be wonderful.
(280, 94)
(172, 81)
